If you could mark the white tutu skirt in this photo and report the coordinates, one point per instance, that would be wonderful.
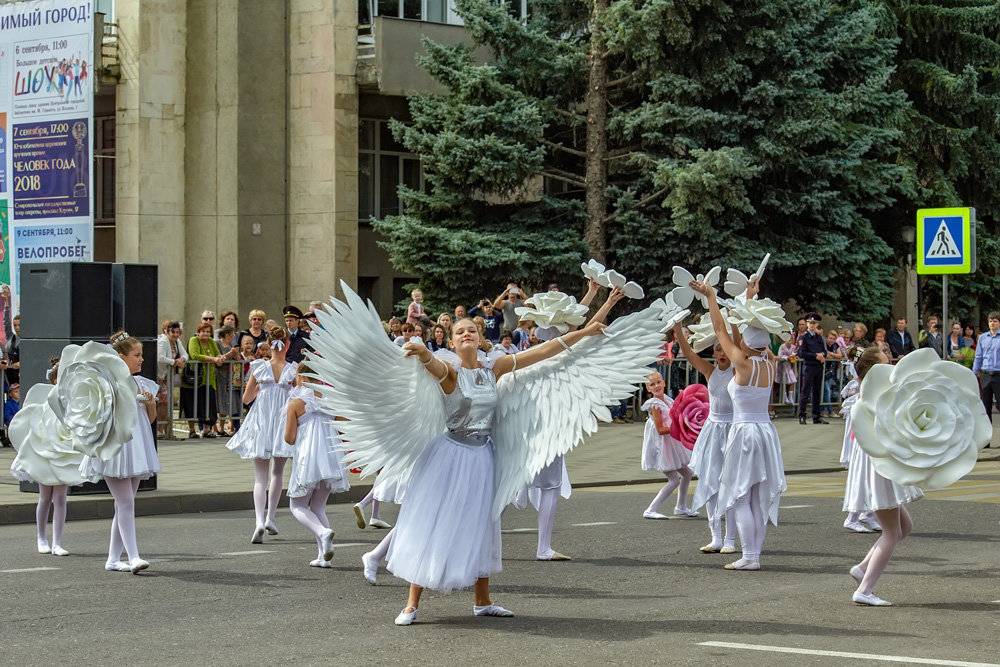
(445, 536)
(752, 456)
(706, 460)
(388, 492)
(262, 433)
(316, 458)
(137, 458)
(867, 491)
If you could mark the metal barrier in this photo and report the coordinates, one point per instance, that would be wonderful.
(222, 370)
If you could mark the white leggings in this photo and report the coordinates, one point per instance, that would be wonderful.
(751, 522)
(267, 493)
(51, 497)
(310, 510)
(123, 525)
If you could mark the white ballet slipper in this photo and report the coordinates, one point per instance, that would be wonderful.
(271, 528)
(871, 522)
(743, 564)
(405, 617)
(320, 562)
(379, 523)
(650, 514)
(116, 566)
(43, 547)
(712, 548)
(359, 516)
(684, 512)
(857, 573)
(552, 555)
(728, 548)
(857, 527)
(871, 600)
(491, 610)
(57, 550)
(370, 567)
(326, 542)
(137, 565)
(258, 535)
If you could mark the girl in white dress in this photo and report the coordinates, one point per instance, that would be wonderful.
(884, 497)
(855, 486)
(753, 475)
(262, 435)
(136, 461)
(49, 496)
(317, 467)
(446, 536)
(709, 448)
(663, 453)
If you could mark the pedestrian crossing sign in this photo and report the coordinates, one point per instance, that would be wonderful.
(946, 240)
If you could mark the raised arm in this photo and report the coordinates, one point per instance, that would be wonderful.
(548, 349)
(588, 298)
(602, 314)
(701, 365)
(720, 325)
(442, 372)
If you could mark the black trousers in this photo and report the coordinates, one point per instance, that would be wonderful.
(811, 389)
(989, 390)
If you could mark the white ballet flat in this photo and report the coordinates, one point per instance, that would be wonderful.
(871, 600)
(710, 548)
(678, 512)
(43, 547)
(857, 527)
(137, 565)
(271, 528)
(491, 610)
(405, 618)
(319, 562)
(359, 517)
(650, 514)
(857, 573)
(555, 555)
(59, 551)
(743, 564)
(370, 568)
(871, 522)
(379, 523)
(326, 540)
(116, 566)
(727, 549)
(258, 535)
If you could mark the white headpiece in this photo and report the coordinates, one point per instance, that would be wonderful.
(756, 338)
(763, 314)
(277, 345)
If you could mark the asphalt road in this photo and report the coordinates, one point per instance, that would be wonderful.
(637, 591)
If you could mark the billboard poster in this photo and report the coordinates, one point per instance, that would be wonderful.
(46, 132)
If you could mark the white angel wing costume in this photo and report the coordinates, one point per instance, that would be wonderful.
(395, 408)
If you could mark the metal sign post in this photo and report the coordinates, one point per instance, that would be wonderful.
(946, 244)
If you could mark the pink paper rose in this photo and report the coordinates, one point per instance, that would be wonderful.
(688, 413)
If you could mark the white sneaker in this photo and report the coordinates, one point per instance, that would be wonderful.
(43, 546)
(491, 610)
(59, 551)
(857, 527)
(405, 618)
(370, 567)
(326, 540)
(650, 514)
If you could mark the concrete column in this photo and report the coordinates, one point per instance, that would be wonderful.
(322, 148)
(150, 118)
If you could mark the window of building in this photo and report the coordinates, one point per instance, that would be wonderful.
(383, 164)
(434, 11)
(104, 171)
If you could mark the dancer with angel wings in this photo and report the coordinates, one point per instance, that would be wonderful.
(753, 476)
(465, 439)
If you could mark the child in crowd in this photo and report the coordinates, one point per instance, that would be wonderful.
(13, 403)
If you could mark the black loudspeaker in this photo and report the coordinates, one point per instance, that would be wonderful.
(64, 300)
(135, 299)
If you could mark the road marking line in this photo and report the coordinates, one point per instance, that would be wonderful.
(595, 523)
(520, 530)
(845, 654)
(28, 569)
(794, 507)
(351, 544)
(246, 553)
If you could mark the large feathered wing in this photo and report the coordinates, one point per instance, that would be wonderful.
(393, 407)
(545, 409)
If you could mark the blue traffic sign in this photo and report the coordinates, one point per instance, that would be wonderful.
(946, 240)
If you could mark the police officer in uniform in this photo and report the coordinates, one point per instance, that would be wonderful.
(298, 340)
(812, 352)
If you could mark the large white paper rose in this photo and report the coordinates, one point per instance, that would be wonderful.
(45, 451)
(921, 421)
(703, 333)
(95, 399)
(552, 309)
(760, 313)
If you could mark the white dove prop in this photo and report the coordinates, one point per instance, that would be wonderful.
(736, 282)
(683, 295)
(595, 271)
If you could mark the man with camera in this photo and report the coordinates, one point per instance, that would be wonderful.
(931, 336)
(507, 302)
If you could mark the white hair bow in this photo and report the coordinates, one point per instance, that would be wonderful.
(277, 345)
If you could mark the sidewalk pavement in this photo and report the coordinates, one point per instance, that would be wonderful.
(203, 476)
